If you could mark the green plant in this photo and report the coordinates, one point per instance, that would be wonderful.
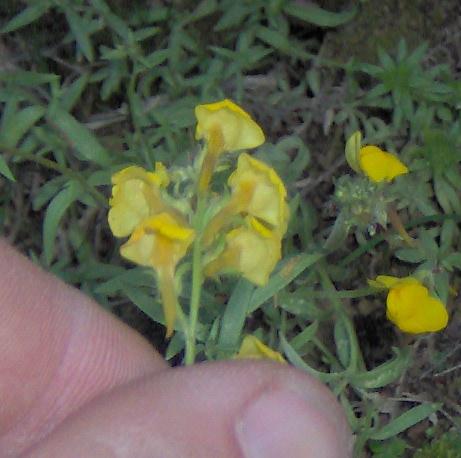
(117, 87)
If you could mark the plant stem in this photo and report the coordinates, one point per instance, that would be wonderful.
(197, 280)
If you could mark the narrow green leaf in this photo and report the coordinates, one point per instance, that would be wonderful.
(233, 16)
(18, 124)
(288, 272)
(343, 346)
(5, 170)
(81, 138)
(413, 255)
(72, 93)
(298, 362)
(203, 9)
(318, 16)
(146, 303)
(175, 346)
(305, 336)
(384, 374)
(113, 21)
(405, 421)
(25, 78)
(281, 42)
(80, 30)
(53, 215)
(234, 316)
(27, 16)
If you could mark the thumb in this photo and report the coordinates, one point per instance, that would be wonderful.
(228, 409)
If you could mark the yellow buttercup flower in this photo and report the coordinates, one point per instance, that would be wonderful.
(253, 348)
(225, 127)
(252, 250)
(160, 242)
(257, 191)
(379, 165)
(410, 306)
(135, 196)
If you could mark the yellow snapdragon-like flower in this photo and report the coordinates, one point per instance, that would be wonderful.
(379, 165)
(410, 306)
(135, 196)
(225, 127)
(257, 191)
(251, 250)
(253, 348)
(160, 242)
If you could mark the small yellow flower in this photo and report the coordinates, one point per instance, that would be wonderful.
(379, 165)
(257, 191)
(135, 196)
(253, 348)
(410, 306)
(227, 127)
(160, 242)
(252, 250)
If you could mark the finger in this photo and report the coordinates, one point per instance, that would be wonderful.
(230, 409)
(59, 349)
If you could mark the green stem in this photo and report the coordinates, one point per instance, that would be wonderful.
(197, 281)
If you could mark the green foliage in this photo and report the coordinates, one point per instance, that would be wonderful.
(447, 446)
(119, 88)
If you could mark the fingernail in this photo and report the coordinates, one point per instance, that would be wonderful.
(282, 423)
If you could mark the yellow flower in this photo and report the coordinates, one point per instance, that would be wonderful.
(160, 242)
(253, 348)
(379, 165)
(257, 191)
(252, 250)
(135, 196)
(410, 307)
(226, 127)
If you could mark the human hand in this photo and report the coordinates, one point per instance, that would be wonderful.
(75, 382)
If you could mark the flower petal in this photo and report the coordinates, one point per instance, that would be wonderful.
(379, 165)
(227, 126)
(253, 348)
(413, 310)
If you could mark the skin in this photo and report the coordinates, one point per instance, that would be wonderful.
(76, 382)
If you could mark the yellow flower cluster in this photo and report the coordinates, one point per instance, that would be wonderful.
(252, 222)
(410, 306)
(159, 234)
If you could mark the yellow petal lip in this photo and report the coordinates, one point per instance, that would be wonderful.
(159, 242)
(253, 348)
(410, 306)
(388, 281)
(227, 127)
(133, 172)
(251, 250)
(379, 165)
